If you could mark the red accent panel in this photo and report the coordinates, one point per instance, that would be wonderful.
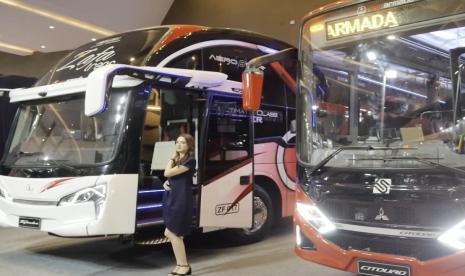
(285, 76)
(180, 30)
(240, 197)
(238, 166)
(55, 183)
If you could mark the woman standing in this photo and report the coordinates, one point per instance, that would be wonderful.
(178, 200)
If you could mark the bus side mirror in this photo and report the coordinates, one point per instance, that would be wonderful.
(252, 87)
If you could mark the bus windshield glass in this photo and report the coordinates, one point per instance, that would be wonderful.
(380, 75)
(59, 131)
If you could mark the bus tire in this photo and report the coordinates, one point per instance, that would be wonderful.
(263, 219)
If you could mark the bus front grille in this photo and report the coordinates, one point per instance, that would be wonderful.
(421, 249)
(35, 202)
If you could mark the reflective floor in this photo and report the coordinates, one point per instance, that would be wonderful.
(28, 252)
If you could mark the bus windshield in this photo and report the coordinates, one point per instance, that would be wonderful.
(389, 88)
(59, 132)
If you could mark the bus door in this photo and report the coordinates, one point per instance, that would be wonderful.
(227, 165)
(170, 112)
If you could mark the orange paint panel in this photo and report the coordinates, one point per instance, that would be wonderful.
(180, 30)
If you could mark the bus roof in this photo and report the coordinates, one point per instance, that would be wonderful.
(145, 47)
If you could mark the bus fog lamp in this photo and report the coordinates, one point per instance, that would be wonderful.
(313, 216)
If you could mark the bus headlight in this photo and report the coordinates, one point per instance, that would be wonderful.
(313, 216)
(95, 194)
(454, 237)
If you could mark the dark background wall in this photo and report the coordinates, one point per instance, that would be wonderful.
(34, 65)
(269, 17)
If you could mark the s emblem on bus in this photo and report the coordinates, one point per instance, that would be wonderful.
(382, 186)
(361, 10)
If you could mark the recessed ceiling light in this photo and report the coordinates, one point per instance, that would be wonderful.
(42, 46)
(58, 17)
(94, 39)
(15, 48)
(51, 27)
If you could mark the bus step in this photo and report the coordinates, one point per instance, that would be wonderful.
(153, 241)
(149, 222)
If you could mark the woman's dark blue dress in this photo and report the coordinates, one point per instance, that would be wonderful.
(178, 202)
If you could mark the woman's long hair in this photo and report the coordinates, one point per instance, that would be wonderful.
(190, 151)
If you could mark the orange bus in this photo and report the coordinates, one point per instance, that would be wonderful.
(380, 137)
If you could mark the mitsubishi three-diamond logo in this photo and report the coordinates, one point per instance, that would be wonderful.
(382, 186)
(381, 215)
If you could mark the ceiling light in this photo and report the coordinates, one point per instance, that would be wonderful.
(16, 48)
(371, 55)
(390, 74)
(42, 46)
(58, 17)
(94, 39)
(51, 27)
(391, 37)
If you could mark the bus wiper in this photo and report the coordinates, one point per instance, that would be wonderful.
(428, 162)
(62, 165)
(336, 152)
(23, 153)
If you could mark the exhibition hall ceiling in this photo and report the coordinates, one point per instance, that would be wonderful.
(56, 25)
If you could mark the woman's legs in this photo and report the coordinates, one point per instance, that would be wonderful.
(179, 251)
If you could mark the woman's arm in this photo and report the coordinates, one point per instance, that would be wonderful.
(171, 171)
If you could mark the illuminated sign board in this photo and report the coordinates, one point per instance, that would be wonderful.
(361, 24)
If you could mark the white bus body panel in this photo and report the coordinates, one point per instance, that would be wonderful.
(38, 198)
(218, 196)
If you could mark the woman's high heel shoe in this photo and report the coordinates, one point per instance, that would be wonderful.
(188, 272)
(174, 271)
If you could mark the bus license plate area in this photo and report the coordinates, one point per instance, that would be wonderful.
(381, 269)
(26, 222)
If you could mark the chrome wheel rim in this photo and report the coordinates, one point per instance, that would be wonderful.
(260, 215)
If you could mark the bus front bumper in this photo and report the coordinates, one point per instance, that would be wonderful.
(326, 253)
(68, 221)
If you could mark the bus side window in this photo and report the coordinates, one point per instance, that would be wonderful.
(227, 138)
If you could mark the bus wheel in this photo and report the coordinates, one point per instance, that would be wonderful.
(262, 219)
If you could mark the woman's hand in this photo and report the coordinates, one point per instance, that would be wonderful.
(167, 186)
